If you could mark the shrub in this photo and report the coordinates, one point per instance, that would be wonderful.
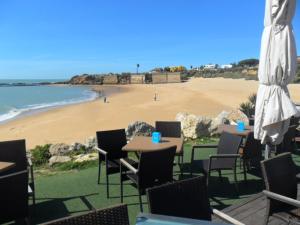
(249, 107)
(40, 155)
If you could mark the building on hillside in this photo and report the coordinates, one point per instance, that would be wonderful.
(228, 66)
(137, 78)
(210, 66)
(110, 79)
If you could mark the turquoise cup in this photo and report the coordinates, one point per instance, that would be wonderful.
(240, 126)
(156, 137)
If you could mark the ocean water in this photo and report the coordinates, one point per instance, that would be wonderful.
(19, 100)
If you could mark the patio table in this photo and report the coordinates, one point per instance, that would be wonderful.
(144, 144)
(153, 219)
(6, 166)
(232, 129)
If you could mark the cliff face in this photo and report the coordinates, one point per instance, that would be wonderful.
(85, 79)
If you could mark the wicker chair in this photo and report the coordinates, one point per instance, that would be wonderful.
(170, 129)
(288, 144)
(251, 153)
(110, 145)
(15, 151)
(279, 174)
(155, 168)
(14, 197)
(185, 198)
(116, 215)
(225, 159)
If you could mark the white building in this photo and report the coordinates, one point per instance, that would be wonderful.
(228, 66)
(210, 66)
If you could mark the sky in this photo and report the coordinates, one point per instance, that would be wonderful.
(45, 39)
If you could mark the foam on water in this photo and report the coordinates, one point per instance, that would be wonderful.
(87, 95)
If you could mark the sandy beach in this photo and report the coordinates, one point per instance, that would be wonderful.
(130, 103)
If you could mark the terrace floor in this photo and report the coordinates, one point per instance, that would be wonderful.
(76, 192)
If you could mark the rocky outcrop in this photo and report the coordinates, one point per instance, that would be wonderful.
(86, 157)
(59, 149)
(237, 115)
(86, 79)
(219, 120)
(194, 126)
(139, 128)
(59, 159)
(91, 142)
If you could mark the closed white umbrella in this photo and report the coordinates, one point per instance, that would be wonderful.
(277, 68)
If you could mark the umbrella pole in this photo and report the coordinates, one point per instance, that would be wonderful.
(268, 149)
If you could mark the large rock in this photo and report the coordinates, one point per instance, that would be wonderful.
(59, 159)
(59, 149)
(91, 142)
(139, 128)
(219, 120)
(237, 115)
(76, 146)
(86, 157)
(194, 126)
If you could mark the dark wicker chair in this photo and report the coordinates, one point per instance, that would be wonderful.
(281, 188)
(110, 144)
(251, 153)
(225, 159)
(14, 197)
(116, 215)
(15, 151)
(185, 198)
(155, 168)
(170, 129)
(288, 144)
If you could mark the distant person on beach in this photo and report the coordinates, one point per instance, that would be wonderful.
(104, 99)
(155, 97)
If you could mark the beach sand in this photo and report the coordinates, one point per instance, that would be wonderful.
(129, 103)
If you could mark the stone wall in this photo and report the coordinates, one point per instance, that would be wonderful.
(174, 78)
(137, 79)
(110, 79)
(159, 78)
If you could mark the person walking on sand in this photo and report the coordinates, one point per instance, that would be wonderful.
(155, 97)
(104, 99)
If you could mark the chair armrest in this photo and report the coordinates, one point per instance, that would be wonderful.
(101, 151)
(282, 198)
(29, 162)
(13, 174)
(123, 162)
(226, 218)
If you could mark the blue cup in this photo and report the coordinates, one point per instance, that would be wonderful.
(240, 126)
(156, 137)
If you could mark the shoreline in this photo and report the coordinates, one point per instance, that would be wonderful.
(130, 103)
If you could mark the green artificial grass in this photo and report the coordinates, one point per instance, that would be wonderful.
(77, 191)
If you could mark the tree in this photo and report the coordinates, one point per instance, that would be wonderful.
(137, 68)
(248, 62)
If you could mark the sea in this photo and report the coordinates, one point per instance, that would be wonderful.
(23, 97)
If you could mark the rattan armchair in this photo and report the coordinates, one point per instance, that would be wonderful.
(280, 178)
(115, 215)
(171, 129)
(224, 159)
(110, 152)
(15, 151)
(14, 197)
(251, 154)
(155, 168)
(186, 198)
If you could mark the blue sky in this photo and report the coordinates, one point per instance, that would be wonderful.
(62, 38)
